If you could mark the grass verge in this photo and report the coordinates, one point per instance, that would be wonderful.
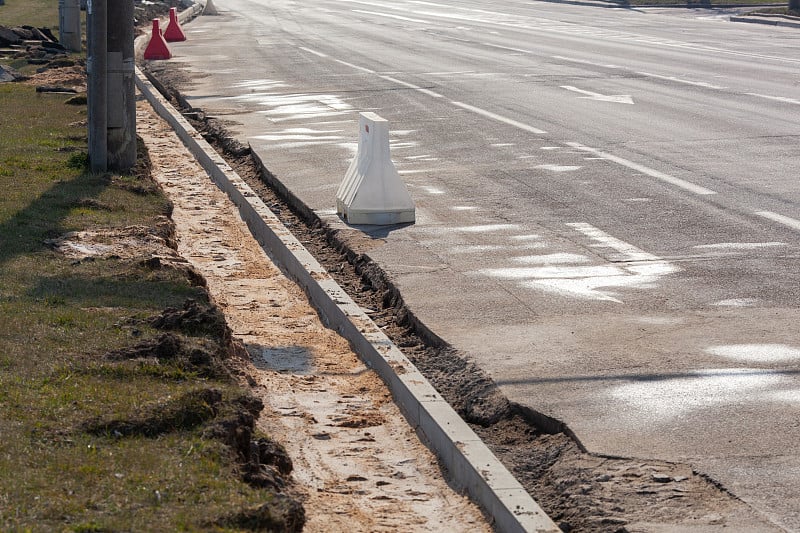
(32, 12)
(117, 411)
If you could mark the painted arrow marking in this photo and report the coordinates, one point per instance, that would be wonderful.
(614, 98)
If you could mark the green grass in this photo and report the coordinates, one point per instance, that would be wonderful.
(58, 320)
(39, 13)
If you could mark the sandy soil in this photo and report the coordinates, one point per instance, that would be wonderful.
(357, 462)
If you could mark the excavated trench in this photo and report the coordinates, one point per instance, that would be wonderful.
(580, 491)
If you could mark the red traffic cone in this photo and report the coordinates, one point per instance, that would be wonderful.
(174, 32)
(157, 47)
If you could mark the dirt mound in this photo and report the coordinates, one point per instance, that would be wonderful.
(60, 74)
(193, 319)
(231, 420)
(185, 412)
(145, 12)
(281, 514)
(201, 357)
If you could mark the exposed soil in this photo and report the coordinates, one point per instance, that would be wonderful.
(145, 12)
(356, 463)
(60, 75)
(580, 491)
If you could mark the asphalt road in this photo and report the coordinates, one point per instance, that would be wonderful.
(608, 203)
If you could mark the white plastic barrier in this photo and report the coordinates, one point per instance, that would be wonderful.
(372, 191)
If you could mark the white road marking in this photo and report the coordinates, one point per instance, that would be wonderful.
(674, 79)
(287, 137)
(559, 168)
(736, 302)
(261, 84)
(757, 353)
(568, 275)
(590, 95)
(784, 396)
(552, 259)
(455, 73)
(775, 98)
(515, 22)
(696, 189)
(486, 228)
(691, 187)
(739, 245)
(483, 248)
(388, 16)
(628, 252)
(592, 63)
(477, 110)
(672, 398)
(499, 118)
(658, 320)
(507, 48)
(646, 74)
(362, 69)
(686, 82)
(556, 272)
(310, 51)
(407, 172)
(780, 219)
(412, 86)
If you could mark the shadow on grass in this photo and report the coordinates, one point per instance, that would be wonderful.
(26, 231)
(97, 282)
(98, 287)
(185, 412)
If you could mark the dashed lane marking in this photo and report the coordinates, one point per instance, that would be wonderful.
(683, 184)
(789, 222)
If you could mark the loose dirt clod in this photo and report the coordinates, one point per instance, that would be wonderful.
(280, 514)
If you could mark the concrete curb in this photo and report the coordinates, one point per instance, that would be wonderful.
(472, 466)
(767, 21)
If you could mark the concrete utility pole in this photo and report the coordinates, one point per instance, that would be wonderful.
(97, 88)
(112, 105)
(69, 24)
(121, 117)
